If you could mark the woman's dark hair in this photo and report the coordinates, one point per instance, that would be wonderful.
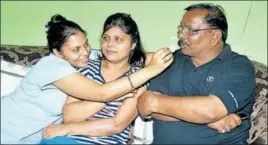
(128, 26)
(215, 17)
(59, 29)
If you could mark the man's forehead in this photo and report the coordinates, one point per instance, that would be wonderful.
(194, 17)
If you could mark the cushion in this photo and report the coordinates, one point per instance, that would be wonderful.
(143, 131)
(11, 75)
(258, 130)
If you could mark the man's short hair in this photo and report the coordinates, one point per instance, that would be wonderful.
(215, 17)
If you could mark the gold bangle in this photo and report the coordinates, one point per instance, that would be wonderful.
(131, 84)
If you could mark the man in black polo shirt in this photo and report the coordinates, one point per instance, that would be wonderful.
(206, 82)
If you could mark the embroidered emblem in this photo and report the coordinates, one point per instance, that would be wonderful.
(210, 79)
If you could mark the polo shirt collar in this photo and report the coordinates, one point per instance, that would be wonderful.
(225, 52)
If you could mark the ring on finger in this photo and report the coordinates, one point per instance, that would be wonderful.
(223, 131)
(227, 130)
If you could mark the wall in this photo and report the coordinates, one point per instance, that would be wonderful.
(23, 22)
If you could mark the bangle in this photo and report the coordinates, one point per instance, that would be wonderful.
(131, 84)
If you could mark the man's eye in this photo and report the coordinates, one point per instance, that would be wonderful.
(86, 44)
(194, 31)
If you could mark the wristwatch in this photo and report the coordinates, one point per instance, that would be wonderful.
(242, 116)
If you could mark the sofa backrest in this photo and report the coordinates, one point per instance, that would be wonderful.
(258, 130)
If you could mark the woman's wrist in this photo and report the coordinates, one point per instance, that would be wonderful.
(151, 71)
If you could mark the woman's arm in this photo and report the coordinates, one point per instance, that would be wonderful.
(149, 56)
(76, 110)
(84, 88)
(99, 127)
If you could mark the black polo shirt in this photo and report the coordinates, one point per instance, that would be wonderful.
(229, 76)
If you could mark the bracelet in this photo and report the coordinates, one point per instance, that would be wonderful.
(131, 84)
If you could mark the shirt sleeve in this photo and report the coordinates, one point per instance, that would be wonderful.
(160, 83)
(51, 69)
(237, 85)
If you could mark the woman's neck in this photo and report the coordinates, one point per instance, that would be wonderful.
(111, 71)
(124, 65)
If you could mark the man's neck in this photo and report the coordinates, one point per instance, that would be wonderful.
(207, 56)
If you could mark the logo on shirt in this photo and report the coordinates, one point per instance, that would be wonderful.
(210, 79)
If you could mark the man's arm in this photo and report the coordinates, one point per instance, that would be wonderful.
(196, 109)
(163, 117)
(227, 123)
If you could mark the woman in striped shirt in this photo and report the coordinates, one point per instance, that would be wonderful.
(106, 123)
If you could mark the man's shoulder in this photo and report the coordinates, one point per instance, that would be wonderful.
(237, 58)
(236, 62)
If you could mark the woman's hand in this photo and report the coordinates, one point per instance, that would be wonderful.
(129, 95)
(161, 60)
(54, 130)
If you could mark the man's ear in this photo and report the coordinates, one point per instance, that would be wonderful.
(57, 53)
(133, 46)
(216, 37)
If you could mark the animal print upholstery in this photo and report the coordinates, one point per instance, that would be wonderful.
(23, 55)
(258, 130)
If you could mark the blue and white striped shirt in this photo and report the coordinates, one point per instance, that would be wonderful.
(93, 71)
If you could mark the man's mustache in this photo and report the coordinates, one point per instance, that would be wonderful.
(181, 42)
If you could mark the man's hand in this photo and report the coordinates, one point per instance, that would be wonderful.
(54, 130)
(145, 104)
(226, 124)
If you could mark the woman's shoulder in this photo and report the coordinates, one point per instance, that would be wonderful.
(93, 65)
(94, 61)
(52, 63)
(134, 68)
(51, 59)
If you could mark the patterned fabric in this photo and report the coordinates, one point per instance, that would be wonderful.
(258, 130)
(23, 55)
(93, 71)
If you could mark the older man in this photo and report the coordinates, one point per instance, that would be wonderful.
(207, 82)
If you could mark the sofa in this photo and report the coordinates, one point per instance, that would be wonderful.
(17, 60)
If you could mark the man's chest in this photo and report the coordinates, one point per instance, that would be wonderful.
(190, 81)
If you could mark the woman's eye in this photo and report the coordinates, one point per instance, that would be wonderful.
(118, 39)
(104, 38)
(76, 50)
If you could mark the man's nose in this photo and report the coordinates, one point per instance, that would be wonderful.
(181, 35)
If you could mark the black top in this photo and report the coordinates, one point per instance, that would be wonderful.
(229, 76)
